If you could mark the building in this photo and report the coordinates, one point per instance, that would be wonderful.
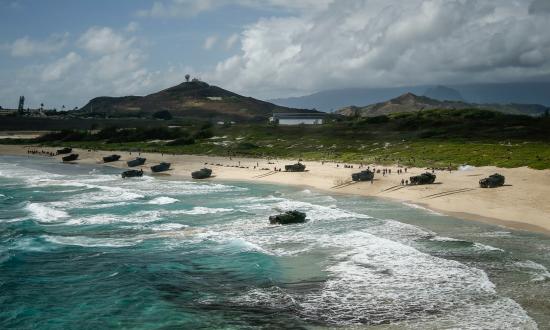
(298, 118)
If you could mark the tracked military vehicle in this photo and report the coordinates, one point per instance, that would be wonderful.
(363, 176)
(424, 178)
(70, 158)
(64, 151)
(163, 166)
(493, 181)
(111, 158)
(132, 174)
(287, 218)
(136, 162)
(202, 173)
(298, 167)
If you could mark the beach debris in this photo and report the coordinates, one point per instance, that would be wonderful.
(424, 178)
(287, 218)
(132, 173)
(493, 181)
(64, 151)
(203, 173)
(298, 167)
(163, 166)
(366, 175)
(111, 158)
(70, 157)
(136, 162)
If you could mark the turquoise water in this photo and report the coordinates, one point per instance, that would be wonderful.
(81, 248)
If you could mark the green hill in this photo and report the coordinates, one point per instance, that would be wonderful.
(195, 99)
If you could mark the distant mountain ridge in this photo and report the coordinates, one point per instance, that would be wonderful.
(504, 93)
(195, 99)
(410, 102)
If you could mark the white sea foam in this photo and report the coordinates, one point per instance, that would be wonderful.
(163, 200)
(90, 241)
(44, 213)
(167, 226)
(539, 272)
(379, 279)
(199, 210)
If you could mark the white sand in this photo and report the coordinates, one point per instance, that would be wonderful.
(523, 203)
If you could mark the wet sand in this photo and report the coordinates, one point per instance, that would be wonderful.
(523, 203)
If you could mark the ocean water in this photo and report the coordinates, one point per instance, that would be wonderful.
(80, 248)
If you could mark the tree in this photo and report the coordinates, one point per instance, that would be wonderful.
(187, 76)
(163, 114)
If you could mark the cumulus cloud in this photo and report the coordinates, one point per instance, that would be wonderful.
(26, 46)
(189, 8)
(209, 42)
(231, 40)
(55, 70)
(104, 40)
(389, 42)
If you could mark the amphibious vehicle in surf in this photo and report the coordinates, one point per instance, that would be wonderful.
(70, 157)
(203, 173)
(132, 174)
(493, 181)
(287, 218)
(136, 162)
(424, 178)
(163, 166)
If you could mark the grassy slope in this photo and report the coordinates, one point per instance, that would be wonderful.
(435, 138)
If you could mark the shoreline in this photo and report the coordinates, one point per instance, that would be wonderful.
(523, 203)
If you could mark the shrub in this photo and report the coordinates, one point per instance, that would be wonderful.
(163, 114)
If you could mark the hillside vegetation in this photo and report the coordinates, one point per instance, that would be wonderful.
(412, 103)
(426, 138)
(194, 99)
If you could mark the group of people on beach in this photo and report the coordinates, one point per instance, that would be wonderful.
(41, 152)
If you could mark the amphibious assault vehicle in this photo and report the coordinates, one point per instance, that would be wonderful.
(288, 217)
(132, 174)
(111, 158)
(424, 178)
(64, 151)
(493, 181)
(203, 173)
(70, 157)
(298, 167)
(136, 162)
(163, 166)
(363, 176)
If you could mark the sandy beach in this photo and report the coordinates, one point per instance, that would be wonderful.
(523, 203)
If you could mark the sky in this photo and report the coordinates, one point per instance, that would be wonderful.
(65, 52)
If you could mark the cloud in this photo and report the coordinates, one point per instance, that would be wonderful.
(209, 42)
(388, 43)
(132, 27)
(231, 40)
(60, 67)
(190, 8)
(103, 40)
(24, 47)
(539, 7)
